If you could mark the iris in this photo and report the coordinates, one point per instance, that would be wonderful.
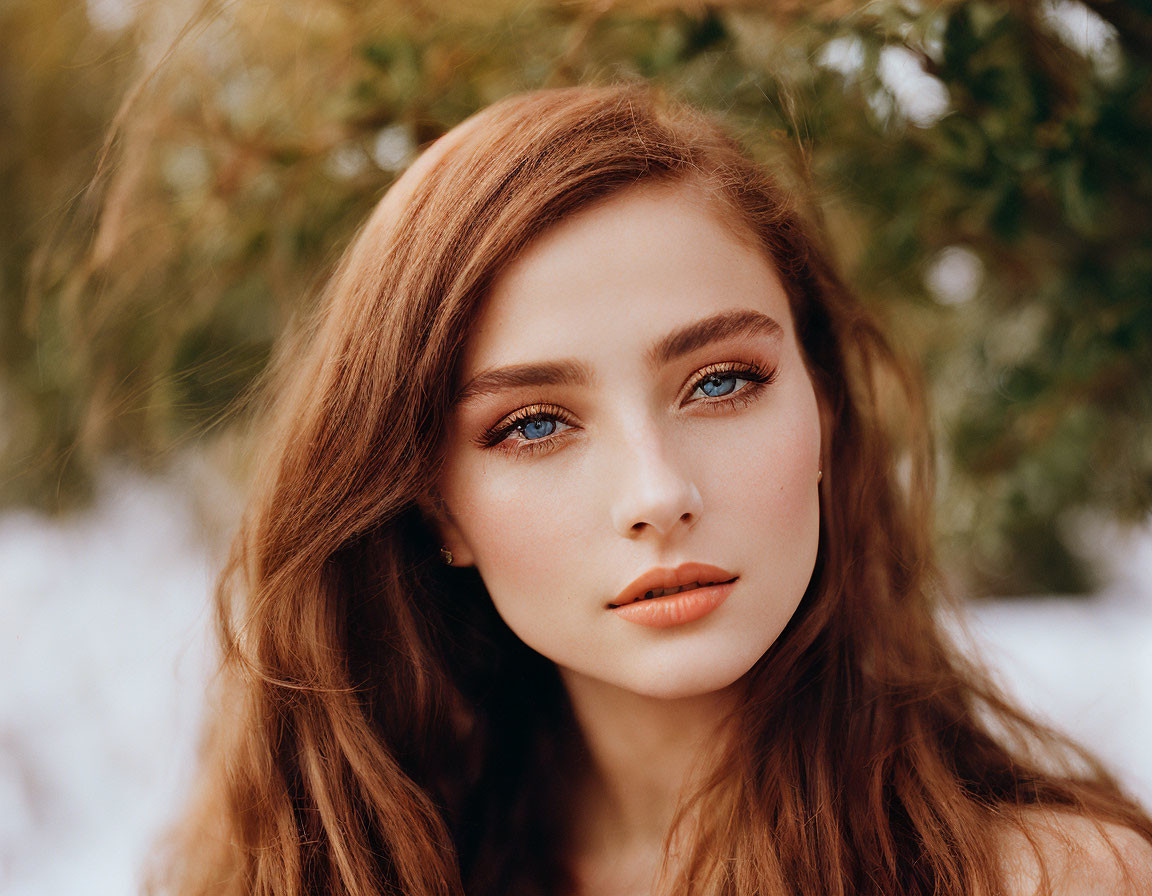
(538, 428)
(721, 385)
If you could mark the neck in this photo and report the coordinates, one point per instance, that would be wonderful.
(644, 756)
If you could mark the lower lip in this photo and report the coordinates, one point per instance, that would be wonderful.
(676, 609)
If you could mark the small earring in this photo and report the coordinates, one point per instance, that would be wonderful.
(446, 556)
(819, 475)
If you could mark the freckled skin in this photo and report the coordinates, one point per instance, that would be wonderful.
(644, 474)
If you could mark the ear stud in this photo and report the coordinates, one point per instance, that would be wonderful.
(819, 475)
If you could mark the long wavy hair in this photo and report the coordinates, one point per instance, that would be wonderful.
(381, 730)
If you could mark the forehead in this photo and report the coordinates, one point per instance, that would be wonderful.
(612, 277)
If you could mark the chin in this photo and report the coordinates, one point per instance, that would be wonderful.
(688, 680)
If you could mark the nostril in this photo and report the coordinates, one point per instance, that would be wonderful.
(686, 517)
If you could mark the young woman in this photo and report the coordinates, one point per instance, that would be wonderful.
(591, 556)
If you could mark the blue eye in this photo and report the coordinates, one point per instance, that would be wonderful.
(537, 427)
(540, 428)
(531, 429)
(717, 385)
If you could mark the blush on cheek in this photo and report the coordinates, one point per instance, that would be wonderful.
(769, 483)
(779, 453)
(517, 534)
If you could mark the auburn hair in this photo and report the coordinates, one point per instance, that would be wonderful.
(381, 730)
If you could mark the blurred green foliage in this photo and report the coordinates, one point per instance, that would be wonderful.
(983, 168)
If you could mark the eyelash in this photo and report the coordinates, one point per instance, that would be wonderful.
(756, 378)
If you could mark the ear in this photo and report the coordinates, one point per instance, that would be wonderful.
(443, 526)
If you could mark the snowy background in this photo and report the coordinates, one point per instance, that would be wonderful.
(106, 651)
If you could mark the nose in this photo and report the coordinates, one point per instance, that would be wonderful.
(652, 490)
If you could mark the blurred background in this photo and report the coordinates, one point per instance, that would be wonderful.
(176, 178)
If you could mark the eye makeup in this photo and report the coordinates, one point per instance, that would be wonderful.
(508, 435)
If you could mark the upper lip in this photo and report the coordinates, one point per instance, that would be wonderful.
(684, 574)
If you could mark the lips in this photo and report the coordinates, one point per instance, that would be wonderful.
(661, 580)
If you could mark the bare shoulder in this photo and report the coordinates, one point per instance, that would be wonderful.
(1082, 857)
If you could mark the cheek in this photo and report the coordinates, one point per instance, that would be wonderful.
(780, 481)
(516, 522)
(764, 486)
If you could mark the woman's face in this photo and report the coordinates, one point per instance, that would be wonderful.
(634, 399)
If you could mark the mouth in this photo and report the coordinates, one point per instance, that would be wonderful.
(664, 592)
(672, 610)
(657, 583)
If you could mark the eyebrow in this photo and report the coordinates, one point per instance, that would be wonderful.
(738, 322)
(680, 342)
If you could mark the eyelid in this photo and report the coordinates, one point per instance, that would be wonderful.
(494, 435)
(749, 371)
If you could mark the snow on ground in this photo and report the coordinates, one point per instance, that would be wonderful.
(104, 657)
(1085, 665)
(105, 652)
